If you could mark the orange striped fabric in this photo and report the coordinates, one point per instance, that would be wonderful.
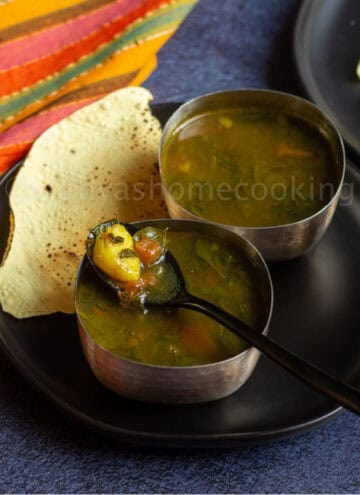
(56, 57)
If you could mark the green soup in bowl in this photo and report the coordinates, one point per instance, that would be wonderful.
(178, 355)
(249, 167)
(213, 270)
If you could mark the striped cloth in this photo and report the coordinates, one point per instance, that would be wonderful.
(59, 55)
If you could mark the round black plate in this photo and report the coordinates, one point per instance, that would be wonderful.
(317, 315)
(327, 41)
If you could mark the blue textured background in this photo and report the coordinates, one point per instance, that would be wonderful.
(223, 44)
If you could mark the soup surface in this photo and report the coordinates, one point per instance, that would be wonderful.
(249, 167)
(213, 270)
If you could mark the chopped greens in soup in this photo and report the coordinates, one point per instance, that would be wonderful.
(214, 270)
(249, 167)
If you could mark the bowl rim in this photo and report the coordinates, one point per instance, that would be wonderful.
(281, 94)
(264, 267)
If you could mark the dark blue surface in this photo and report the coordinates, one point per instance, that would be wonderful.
(223, 44)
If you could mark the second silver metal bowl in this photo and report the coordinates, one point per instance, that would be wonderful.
(283, 241)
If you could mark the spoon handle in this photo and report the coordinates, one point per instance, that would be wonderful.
(346, 395)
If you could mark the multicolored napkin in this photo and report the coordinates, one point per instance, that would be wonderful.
(57, 56)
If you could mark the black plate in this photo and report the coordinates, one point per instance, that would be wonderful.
(317, 315)
(327, 50)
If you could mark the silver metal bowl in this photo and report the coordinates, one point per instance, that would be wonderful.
(283, 241)
(175, 384)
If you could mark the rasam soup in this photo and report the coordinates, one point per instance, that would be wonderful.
(213, 270)
(249, 167)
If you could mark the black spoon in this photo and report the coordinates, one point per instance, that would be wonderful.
(170, 291)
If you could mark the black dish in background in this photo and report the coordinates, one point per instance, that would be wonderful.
(316, 315)
(327, 41)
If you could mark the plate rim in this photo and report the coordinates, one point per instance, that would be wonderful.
(135, 437)
(157, 439)
(306, 15)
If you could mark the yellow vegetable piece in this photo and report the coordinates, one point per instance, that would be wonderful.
(184, 167)
(113, 254)
(226, 122)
